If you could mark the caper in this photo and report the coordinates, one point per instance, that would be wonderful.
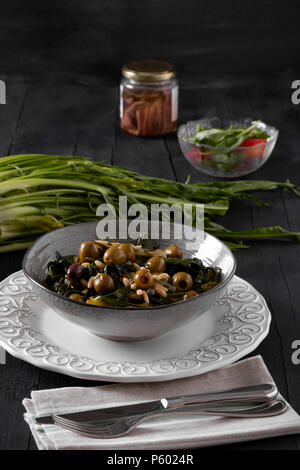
(128, 250)
(89, 251)
(189, 294)
(94, 301)
(103, 283)
(114, 255)
(156, 264)
(77, 297)
(173, 251)
(182, 281)
(143, 279)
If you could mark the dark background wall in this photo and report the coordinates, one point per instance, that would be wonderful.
(88, 41)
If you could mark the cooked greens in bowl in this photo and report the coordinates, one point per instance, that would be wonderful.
(119, 322)
(127, 275)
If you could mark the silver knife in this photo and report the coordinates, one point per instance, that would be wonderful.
(256, 393)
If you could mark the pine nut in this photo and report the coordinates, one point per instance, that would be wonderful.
(161, 286)
(83, 282)
(85, 291)
(139, 292)
(136, 266)
(126, 282)
(133, 286)
(90, 284)
(165, 288)
(99, 264)
(164, 276)
(160, 291)
(85, 265)
(146, 297)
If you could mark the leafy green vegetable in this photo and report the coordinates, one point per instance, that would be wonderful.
(39, 193)
(189, 265)
(57, 270)
(228, 149)
(117, 298)
(117, 270)
(59, 267)
(231, 138)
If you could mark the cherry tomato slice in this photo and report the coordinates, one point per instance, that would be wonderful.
(195, 154)
(254, 152)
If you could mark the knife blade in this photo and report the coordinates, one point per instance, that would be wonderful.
(257, 393)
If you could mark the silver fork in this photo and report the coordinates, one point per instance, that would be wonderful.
(119, 427)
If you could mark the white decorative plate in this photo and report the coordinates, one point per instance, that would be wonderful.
(32, 331)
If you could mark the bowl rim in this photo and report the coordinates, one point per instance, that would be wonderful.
(182, 127)
(103, 308)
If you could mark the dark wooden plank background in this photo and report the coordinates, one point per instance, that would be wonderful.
(61, 63)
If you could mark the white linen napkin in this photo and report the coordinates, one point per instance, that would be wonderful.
(168, 432)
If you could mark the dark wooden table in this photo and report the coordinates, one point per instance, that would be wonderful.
(42, 117)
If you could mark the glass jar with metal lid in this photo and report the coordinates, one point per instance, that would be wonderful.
(149, 98)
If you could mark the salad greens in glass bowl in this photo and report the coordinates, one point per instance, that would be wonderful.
(227, 148)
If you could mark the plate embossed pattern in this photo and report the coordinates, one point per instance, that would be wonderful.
(243, 323)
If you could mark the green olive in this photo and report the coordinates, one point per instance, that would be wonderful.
(104, 283)
(114, 255)
(156, 264)
(182, 281)
(77, 297)
(190, 294)
(173, 251)
(128, 250)
(143, 279)
(89, 251)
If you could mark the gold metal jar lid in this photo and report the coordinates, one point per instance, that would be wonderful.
(149, 70)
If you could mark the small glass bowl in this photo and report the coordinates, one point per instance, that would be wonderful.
(226, 163)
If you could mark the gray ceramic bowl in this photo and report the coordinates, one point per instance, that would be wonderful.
(119, 323)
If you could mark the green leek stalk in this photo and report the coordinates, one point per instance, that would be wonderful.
(40, 193)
